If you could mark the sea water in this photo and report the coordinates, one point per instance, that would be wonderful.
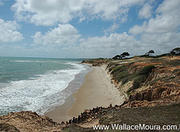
(36, 84)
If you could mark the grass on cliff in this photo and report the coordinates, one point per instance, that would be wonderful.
(141, 76)
(122, 74)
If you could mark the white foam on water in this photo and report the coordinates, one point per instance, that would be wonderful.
(34, 61)
(38, 94)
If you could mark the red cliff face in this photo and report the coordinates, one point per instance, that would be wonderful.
(161, 86)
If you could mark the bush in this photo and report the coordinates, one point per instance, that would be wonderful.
(111, 66)
(138, 81)
(118, 69)
(141, 77)
(146, 70)
(121, 75)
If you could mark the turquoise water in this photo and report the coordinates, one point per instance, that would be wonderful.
(35, 84)
(14, 69)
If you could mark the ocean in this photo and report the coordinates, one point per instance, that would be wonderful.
(37, 84)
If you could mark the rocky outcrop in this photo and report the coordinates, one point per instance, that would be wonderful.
(27, 121)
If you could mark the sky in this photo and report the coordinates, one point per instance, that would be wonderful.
(88, 28)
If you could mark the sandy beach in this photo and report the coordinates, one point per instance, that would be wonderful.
(96, 90)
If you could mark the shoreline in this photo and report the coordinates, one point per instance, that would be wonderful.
(96, 90)
(154, 95)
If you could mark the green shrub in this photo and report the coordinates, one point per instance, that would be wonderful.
(138, 81)
(118, 69)
(125, 80)
(129, 77)
(111, 66)
(146, 70)
(141, 77)
(121, 75)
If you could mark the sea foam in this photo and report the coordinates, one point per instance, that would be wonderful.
(38, 94)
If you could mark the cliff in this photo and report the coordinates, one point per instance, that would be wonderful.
(147, 81)
(151, 87)
(27, 121)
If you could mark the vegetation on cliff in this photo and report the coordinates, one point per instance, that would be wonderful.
(156, 80)
(152, 87)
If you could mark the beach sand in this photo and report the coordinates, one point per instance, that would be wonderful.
(96, 90)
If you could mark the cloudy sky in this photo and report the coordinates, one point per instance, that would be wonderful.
(88, 28)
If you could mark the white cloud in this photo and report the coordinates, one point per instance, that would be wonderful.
(49, 12)
(66, 39)
(161, 32)
(9, 33)
(64, 34)
(112, 28)
(167, 19)
(146, 11)
(137, 29)
(107, 46)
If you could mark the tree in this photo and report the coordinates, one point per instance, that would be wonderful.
(149, 53)
(117, 57)
(175, 51)
(124, 54)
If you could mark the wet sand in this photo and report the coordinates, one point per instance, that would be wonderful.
(96, 90)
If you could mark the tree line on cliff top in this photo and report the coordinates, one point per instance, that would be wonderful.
(174, 52)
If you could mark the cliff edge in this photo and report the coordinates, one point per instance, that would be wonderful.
(151, 87)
